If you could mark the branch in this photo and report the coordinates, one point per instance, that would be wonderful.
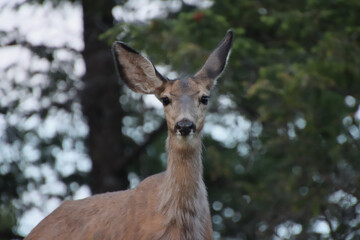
(327, 219)
(33, 47)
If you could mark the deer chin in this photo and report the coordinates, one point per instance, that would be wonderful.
(188, 136)
(189, 141)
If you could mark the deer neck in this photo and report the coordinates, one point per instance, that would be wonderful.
(183, 186)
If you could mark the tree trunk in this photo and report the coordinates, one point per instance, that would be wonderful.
(100, 103)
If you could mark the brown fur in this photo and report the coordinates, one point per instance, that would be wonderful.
(163, 206)
(171, 205)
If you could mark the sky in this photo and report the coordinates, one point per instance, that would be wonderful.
(41, 25)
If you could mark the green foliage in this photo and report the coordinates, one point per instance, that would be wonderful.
(294, 71)
(7, 218)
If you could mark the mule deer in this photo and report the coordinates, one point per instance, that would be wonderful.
(169, 205)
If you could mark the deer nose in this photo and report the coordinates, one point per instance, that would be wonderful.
(184, 127)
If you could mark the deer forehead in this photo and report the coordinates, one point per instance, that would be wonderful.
(175, 89)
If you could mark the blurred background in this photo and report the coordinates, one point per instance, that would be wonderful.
(281, 141)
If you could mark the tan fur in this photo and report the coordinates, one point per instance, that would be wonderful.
(171, 205)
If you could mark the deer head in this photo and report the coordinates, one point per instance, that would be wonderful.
(184, 99)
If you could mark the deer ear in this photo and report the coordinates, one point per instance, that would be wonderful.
(136, 71)
(216, 62)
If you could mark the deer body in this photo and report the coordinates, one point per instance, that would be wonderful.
(169, 205)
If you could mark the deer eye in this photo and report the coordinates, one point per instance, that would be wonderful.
(165, 100)
(204, 100)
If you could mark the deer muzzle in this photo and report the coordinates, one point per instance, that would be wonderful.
(184, 127)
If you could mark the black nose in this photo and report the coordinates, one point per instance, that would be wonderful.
(185, 126)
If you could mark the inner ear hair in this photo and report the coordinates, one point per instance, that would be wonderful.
(135, 70)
